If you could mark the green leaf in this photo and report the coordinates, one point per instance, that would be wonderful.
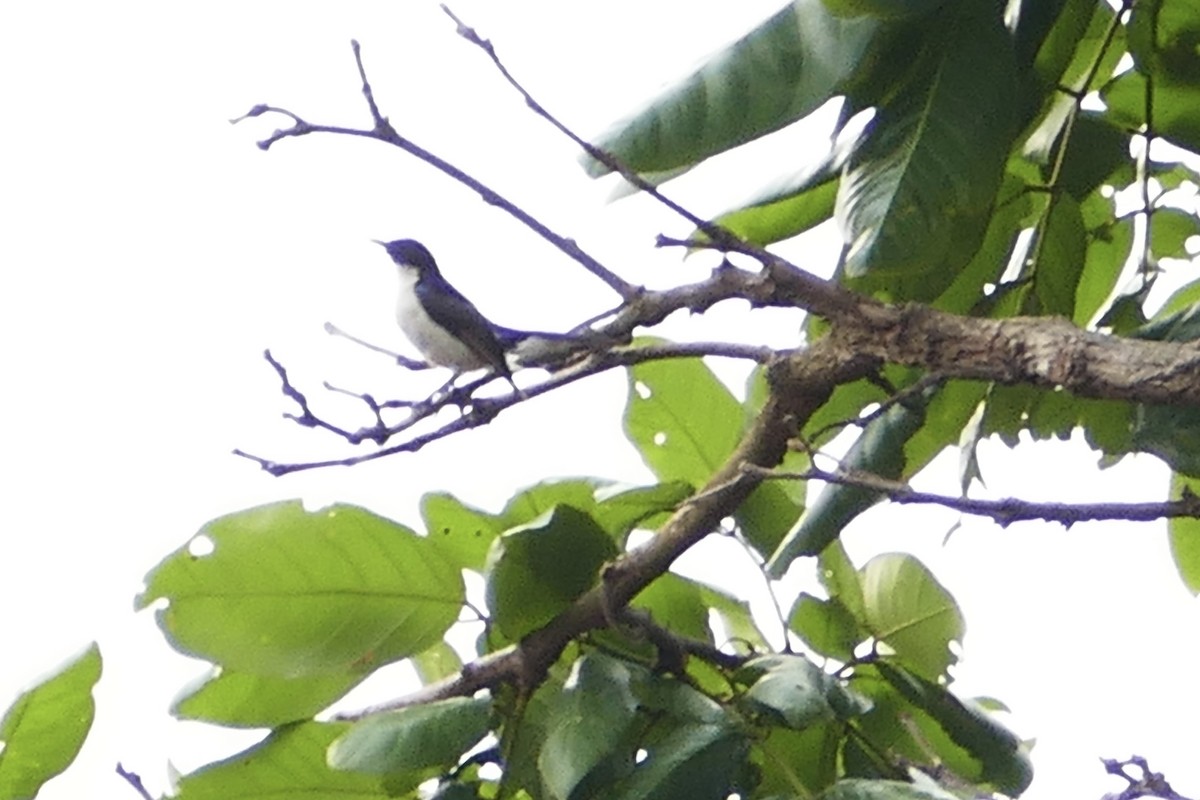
(526, 728)
(436, 663)
(946, 414)
(878, 450)
(287, 593)
(787, 209)
(697, 761)
(1107, 250)
(860, 789)
(1094, 152)
(589, 729)
(1014, 206)
(288, 763)
(888, 728)
(841, 580)
(797, 693)
(736, 617)
(884, 9)
(846, 403)
(686, 423)
(826, 626)
(1170, 228)
(1107, 424)
(679, 702)
(919, 185)
(911, 612)
(1171, 175)
(778, 73)
(1175, 107)
(246, 700)
(1054, 414)
(417, 742)
(1184, 534)
(536, 570)
(1178, 320)
(1172, 434)
(678, 604)
(682, 419)
(621, 510)
(43, 729)
(1006, 411)
(1004, 762)
(789, 759)
(1082, 57)
(1060, 257)
(535, 501)
(1046, 33)
(1163, 38)
(461, 533)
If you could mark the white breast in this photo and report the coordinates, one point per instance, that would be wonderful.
(437, 346)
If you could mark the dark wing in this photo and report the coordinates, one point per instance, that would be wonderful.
(454, 312)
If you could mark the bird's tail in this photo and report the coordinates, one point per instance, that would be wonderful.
(548, 350)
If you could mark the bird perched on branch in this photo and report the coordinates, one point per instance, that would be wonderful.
(445, 326)
(449, 330)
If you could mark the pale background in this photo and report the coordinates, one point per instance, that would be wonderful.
(150, 252)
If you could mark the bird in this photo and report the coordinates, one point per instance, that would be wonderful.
(447, 328)
(450, 331)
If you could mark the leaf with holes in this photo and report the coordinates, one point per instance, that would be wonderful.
(686, 423)
(287, 593)
(911, 612)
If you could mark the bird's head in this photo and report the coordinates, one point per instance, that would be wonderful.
(410, 254)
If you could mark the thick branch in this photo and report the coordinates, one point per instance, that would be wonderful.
(1049, 352)
(799, 386)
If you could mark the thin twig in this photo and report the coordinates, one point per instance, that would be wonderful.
(134, 780)
(671, 644)
(897, 397)
(404, 361)
(482, 410)
(760, 564)
(1148, 784)
(383, 131)
(715, 232)
(1004, 512)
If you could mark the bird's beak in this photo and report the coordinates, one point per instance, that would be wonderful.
(381, 244)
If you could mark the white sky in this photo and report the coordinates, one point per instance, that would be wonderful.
(151, 252)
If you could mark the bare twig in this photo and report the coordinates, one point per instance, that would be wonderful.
(1003, 512)
(305, 418)
(672, 646)
(482, 410)
(404, 361)
(134, 780)
(383, 131)
(1148, 784)
(897, 397)
(760, 565)
(716, 232)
